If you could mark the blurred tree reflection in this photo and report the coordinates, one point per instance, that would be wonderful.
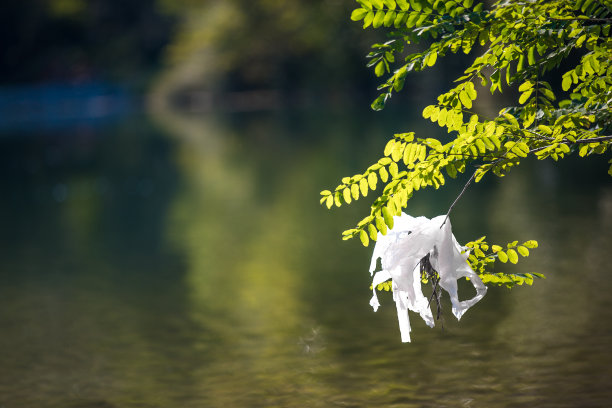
(263, 44)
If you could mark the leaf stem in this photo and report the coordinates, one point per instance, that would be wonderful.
(459, 197)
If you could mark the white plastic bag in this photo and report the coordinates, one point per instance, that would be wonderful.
(401, 251)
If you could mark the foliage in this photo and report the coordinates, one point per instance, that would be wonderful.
(523, 45)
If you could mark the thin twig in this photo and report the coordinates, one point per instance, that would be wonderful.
(458, 197)
(594, 139)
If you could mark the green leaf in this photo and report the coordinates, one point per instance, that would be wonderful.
(367, 20)
(379, 103)
(525, 86)
(379, 18)
(523, 250)
(389, 18)
(355, 191)
(520, 64)
(531, 56)
(465, 99)
(428, 111)
(380, 224)
(431, 58)
(387, 217)
(377, 3)
(566, 83)
(346, 194)
(501, 255)
(442, 117)
(512, 256)
(531, 244)
(389, 147)
(525, 96)
(471, 91)
(481, 146)
(390, 4)
(372, 179)
(379, 70)
(496, 248)
(373, 232)
(363, 187)
(403, 4)
(398, 149)
(548, 93)
(363, 236)
(358, 14)
(416, 5)
(330, 201)
(384, 176)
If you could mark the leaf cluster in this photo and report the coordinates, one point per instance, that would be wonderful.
(513, 44)
(522, 41)
(483, 257)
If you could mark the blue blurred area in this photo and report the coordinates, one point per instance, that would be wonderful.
(62, 105)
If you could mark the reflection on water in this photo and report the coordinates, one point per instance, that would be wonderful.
(189, 264)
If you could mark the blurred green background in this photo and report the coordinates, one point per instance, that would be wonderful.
(162, 244)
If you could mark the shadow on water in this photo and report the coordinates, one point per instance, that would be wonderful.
(188, 263)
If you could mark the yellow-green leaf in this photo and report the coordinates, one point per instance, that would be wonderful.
(367, 21)
(512, 256)
(531, 55)
(431, 58)
(403, 4)
(372, 231)
(363, 236)
(384, 176)
(471, 91)
(389, 147)
(465, 99)
(358, 14)
(379, 18)
(398, 149)
(389, 18)
(363, 187)
(330, 201)
(377, 3)
(355, 191)
(379, 70)
(380, 224)
(346, 193)
(501, 255)
(523, 250)
(525, 95)
(387, 217)
(372, 179)
(566, 83)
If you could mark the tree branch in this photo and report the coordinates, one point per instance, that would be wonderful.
(459, 197)
(593, 139)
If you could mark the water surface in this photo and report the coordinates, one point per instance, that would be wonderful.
(184, 261)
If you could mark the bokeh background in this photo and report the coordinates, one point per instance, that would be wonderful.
(162, 244)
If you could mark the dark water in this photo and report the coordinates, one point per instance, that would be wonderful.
(185, 262)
